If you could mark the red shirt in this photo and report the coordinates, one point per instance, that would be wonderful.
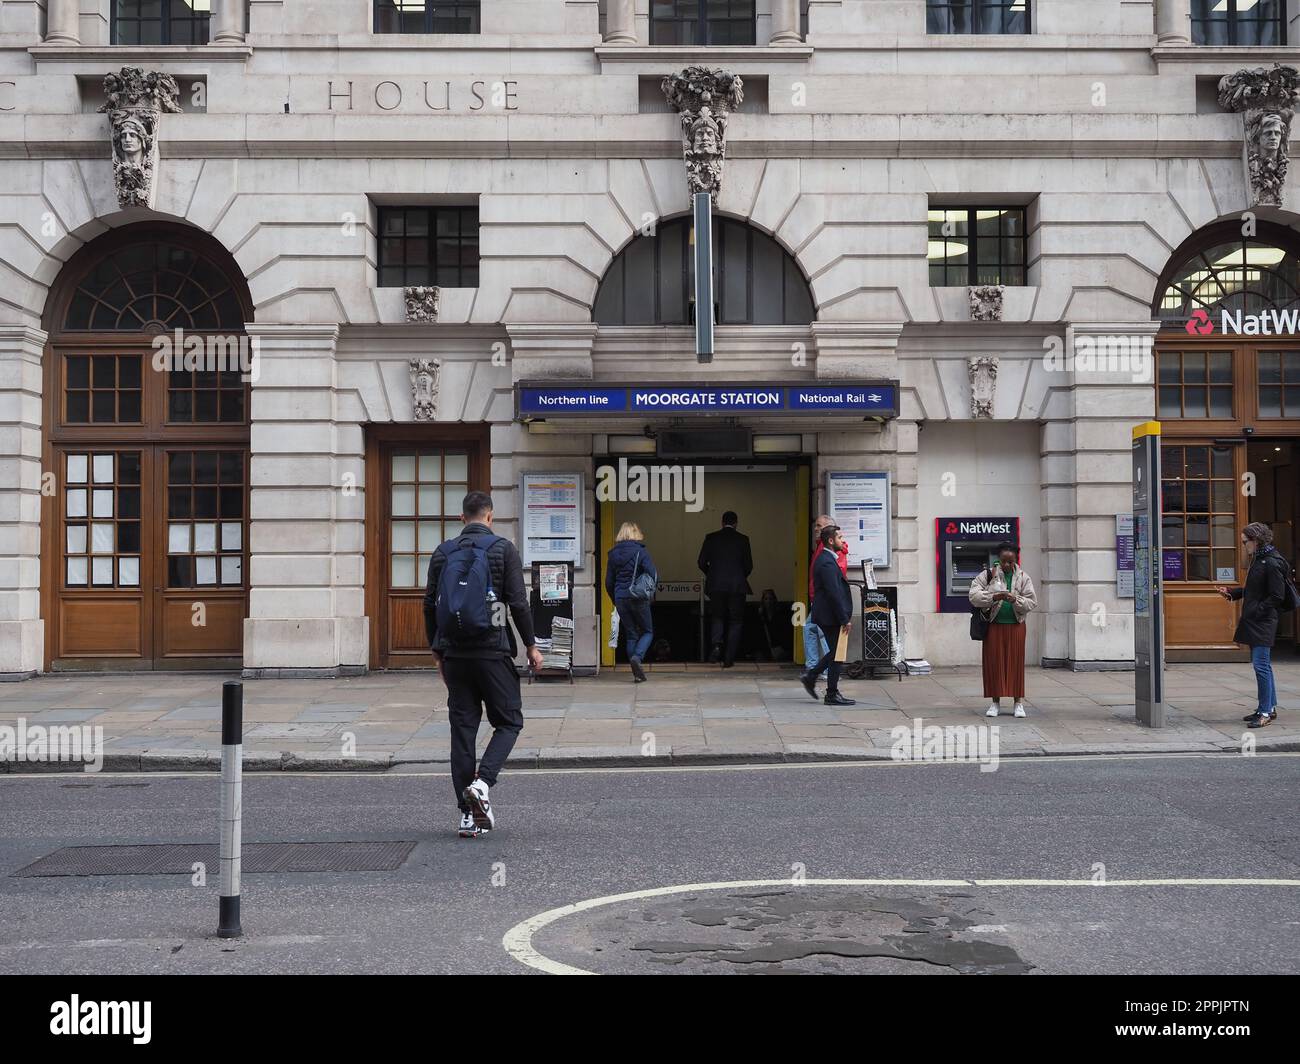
(843, 559)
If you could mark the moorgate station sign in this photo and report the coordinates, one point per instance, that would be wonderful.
(868, 399)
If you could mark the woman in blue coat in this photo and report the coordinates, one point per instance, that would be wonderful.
(629, 556)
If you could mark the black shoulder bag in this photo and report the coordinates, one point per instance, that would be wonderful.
(979, 623)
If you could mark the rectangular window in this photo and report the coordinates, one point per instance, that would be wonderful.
(428, 490)
(1279, 384)
(977, 16)
(427, 16)
(160, 21)
(1244, 22)
(205, 519)
(977, 246)
(705, 22)
(102, 389)
(1199, 530)
(1195, 384)
(428, 246)
(101, 511)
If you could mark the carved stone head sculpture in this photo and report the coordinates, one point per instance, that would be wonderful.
(703, 98)
(1266, 100)
(983, 373)
(135, 102)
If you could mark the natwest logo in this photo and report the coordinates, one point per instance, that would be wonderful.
(1199, 324)
(1265, 323)
(952, 528)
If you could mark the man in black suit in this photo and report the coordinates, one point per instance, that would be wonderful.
(832, 612)
(726, 564)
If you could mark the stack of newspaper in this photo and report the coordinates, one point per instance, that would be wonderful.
(557, 652)
(918, 667)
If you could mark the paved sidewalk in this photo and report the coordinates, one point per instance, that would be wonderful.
(369, 723)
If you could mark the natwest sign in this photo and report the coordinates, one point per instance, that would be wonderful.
(979, 528)
(1239, 323)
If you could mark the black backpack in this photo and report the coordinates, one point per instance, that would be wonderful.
(465, 595)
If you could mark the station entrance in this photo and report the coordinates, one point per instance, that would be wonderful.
(773, 500)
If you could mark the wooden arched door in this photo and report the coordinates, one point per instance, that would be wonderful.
(145, 500)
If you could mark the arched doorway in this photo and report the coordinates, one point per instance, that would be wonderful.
(1228, 399)
(145, 516)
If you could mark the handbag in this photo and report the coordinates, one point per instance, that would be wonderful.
(642, 587)
(979, 622)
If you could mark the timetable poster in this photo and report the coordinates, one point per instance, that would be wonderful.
(552, 518)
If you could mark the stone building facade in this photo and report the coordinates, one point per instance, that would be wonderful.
(273, 151)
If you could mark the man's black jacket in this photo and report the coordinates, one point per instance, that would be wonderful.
(832, 604)
(726, 562)
(508, 583)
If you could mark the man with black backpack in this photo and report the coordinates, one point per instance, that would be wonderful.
(473, 580)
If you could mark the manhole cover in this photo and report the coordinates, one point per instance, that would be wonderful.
(180, 858)
(790, 930)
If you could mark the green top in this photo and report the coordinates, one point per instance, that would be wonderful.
(1006, 611)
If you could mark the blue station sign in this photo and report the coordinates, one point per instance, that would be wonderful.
(860, 400)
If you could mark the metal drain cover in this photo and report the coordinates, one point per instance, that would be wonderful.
(180, 858)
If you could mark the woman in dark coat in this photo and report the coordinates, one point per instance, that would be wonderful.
(629, 556)
(1262, 600)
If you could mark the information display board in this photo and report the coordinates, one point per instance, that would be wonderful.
(1123, 555)
(552, 505)
(859, 504)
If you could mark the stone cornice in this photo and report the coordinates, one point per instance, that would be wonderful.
(744, 59)
(1214, 59)
(139, 55)
(411, 148)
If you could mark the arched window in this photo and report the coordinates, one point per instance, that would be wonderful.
(1226, 271)
(755, 281)
(154, 286)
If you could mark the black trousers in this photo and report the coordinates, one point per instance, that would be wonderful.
(832, 669)
(727, 610)
(472, 684)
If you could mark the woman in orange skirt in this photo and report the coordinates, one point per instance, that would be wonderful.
(1007, 595)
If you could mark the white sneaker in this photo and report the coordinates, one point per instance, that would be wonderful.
(1020, 710)
(992, 711)
(468, 829)
(481, 807)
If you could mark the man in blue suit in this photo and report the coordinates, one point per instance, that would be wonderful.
(832, 612)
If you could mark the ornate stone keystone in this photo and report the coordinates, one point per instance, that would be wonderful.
(422, 303)
(426, 374)
(983, 373)
(985, 301)
(136, 102)
(703, 98)
(1266, 99)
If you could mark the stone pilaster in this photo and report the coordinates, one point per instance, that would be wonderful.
(785, 22)
(22, 631)
(307, 540)
(228, 22)
(1174, 21)
(1104, 389)
(620, 22)
(551, 352)
(62, 22)
(857, 350)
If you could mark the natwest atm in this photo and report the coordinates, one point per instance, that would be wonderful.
(963, 548)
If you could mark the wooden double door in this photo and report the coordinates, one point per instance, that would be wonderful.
(149, 555)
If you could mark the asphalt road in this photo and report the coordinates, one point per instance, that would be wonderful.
(568, 836)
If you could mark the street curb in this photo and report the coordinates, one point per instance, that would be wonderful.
(610, 757)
